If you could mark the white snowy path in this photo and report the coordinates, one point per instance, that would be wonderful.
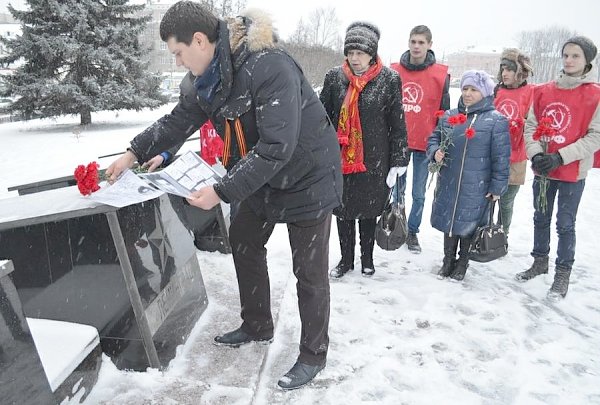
(400, 337)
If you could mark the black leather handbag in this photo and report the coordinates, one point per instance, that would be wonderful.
(489, 241)
(392, 229)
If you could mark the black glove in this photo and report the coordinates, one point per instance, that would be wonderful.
(548, 162)
(535, 162)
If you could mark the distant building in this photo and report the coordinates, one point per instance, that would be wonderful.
(6, 18)
(159, 56)
(9, 28)
(478, 58)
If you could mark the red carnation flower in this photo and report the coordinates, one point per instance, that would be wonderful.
(439, 113)
(544, 129)
(87, 178)
(462, 118)
(469, 133)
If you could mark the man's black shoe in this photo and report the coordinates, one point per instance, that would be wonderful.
(299, 375)
(238, 337)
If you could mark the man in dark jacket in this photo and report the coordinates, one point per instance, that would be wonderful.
(425, 85)
(282, 162)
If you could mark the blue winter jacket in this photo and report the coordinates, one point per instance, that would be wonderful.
(473, 167)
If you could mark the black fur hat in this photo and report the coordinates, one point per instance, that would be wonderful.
(363, 36)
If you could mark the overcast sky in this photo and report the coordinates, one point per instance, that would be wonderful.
(455, 24)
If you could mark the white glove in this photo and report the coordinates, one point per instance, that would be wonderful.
(393, 175)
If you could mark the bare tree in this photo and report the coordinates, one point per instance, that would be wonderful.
(225, 8)
(300, 34)
(315, 60)
(321, 29)
(544, 48)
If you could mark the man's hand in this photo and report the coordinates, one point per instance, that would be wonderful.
(117, 167)
(535, 162)
(549, 162)
(153, 163)
(205, 198)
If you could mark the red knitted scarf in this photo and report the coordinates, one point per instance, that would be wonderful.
(349, 129)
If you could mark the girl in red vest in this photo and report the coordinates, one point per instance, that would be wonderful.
(561, 135)
(513, 98)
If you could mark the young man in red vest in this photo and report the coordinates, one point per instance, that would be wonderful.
(513, 97)
(561, 135)
(425, 86)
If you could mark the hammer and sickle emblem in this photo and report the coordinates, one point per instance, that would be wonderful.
(411, 95)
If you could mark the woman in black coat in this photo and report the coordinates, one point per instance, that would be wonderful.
(363, 98)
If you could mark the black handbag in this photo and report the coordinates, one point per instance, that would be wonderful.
(392, 229)
(489, 241)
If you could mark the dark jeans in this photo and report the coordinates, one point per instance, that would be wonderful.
(569, 195)
(309, 241)
(507, 202)
(347, 236)
(420, 167)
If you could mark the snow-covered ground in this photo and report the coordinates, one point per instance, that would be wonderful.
(400, 337)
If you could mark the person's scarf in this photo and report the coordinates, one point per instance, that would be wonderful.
(207, 84)
(349, 129)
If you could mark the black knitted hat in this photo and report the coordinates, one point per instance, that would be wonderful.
(589, 49)
(363, 36)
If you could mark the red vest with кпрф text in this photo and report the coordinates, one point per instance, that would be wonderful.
(513, 104)
(211, 144)
(571, 112)
(421, 98)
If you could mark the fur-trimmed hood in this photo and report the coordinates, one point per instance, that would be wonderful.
(524, 66)
(254, 28)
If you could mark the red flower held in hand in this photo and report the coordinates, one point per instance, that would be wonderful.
(439, 113)
(544, 129)
(457, 119)
(87, 178)
(469, 133)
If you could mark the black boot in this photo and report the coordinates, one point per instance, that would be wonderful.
(560, 286)
(450, 246)
(366, 228)
(368, 269)
(299, 375)
(341, 269)
(447, 267)
(347, 236)
(539, 266)
(462, 264)
(460, 269)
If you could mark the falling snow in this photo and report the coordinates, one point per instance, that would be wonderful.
(401, 336)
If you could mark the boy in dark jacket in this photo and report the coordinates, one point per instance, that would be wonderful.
(282, 159)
